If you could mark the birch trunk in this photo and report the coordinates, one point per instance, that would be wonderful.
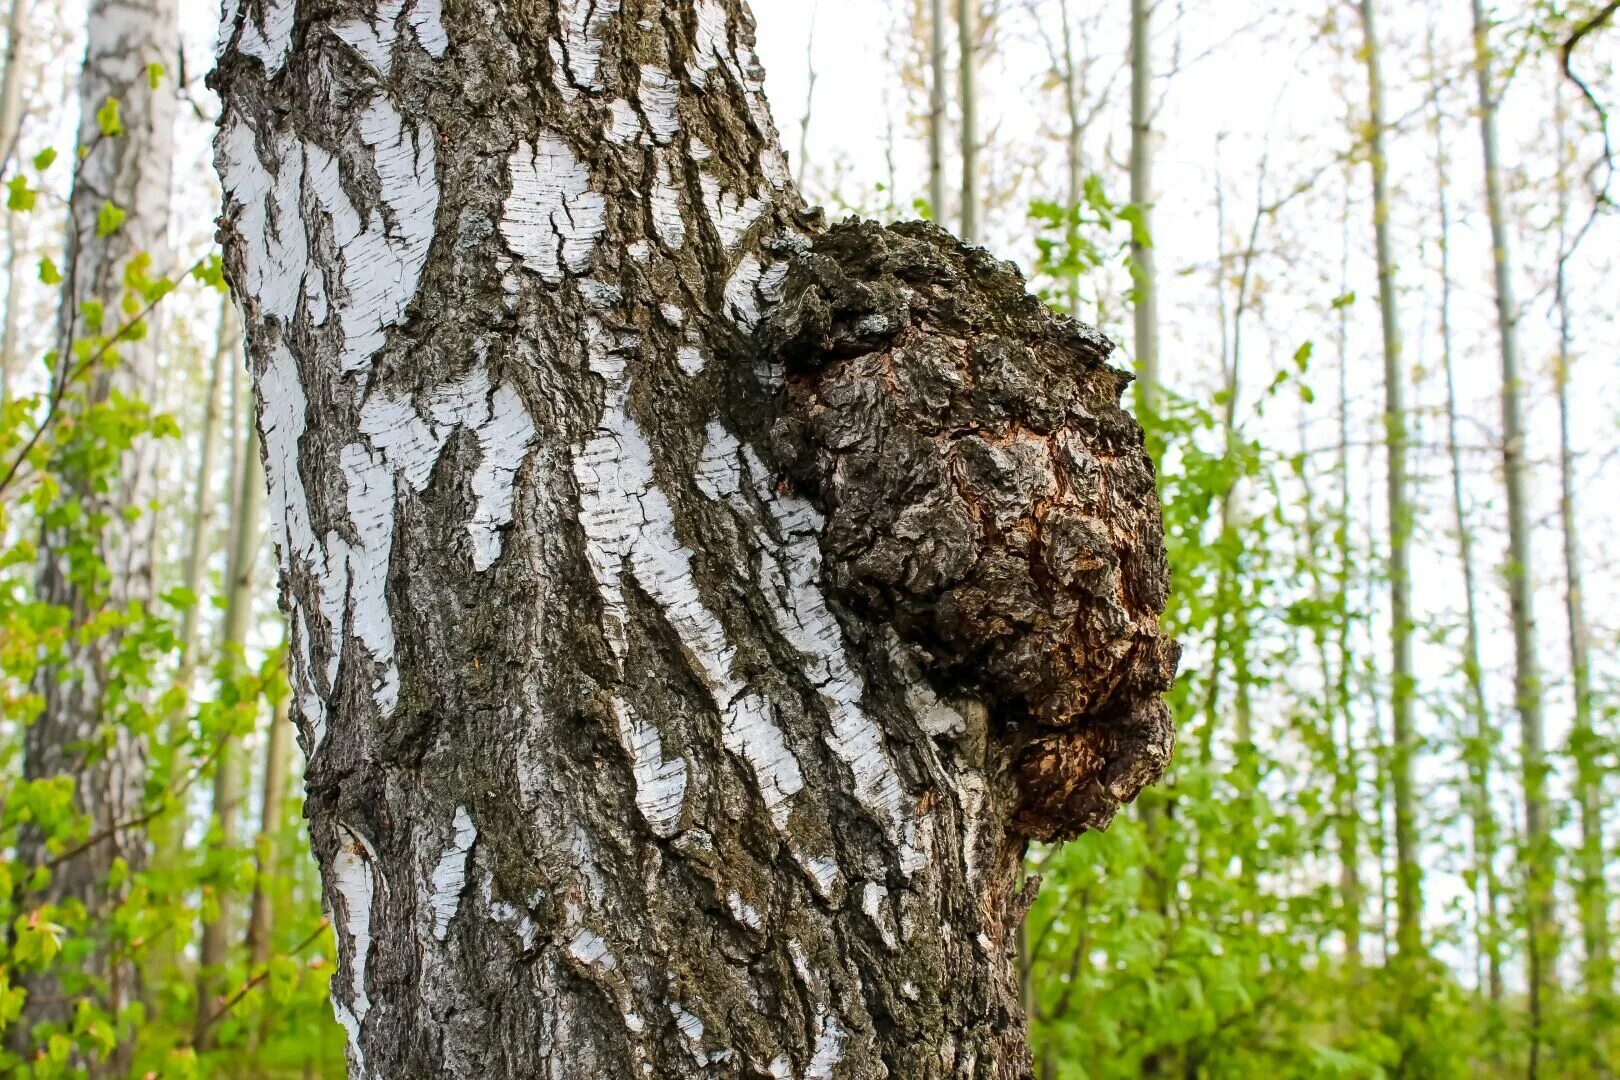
(1073, 166)
(937, 106)
(608, 774)
(273, 795)
(1346, 780)
(1143, 276)
(1480, 735)
(967, 73)
(1591, 886)
(133, 172)
(1541, 932)
(11, 80)
(10, 120)
(214, 949)
(1408, 872)
(207, 492)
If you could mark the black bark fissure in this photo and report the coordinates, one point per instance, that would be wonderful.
(988, 497)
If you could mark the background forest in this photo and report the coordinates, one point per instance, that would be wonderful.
(1361, 256)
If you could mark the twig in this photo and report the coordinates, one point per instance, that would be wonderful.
(246, 988)
(1600, 192)
(59, 391)
(162, 806)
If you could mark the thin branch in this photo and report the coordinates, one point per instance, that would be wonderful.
(248, 987)
(53, 409)
(1600, 192)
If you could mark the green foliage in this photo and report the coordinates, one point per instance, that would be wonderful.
(61, 452)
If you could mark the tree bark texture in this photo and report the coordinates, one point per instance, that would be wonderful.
(131, 171)
(621, 508)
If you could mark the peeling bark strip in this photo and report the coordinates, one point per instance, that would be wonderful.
(610, 775)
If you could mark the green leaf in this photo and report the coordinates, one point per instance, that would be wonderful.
(154, 75)
(48, 273)
(108, 120)
(44, 158)
(109, 219)
(18, 196)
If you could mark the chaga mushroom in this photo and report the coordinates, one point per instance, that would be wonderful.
(988, 497)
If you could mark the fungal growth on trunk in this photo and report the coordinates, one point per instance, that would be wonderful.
(987, 496)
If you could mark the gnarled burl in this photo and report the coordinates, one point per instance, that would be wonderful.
(986, 495)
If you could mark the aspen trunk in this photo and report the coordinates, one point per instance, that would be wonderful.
(1540, 929)
(606, 599)
(937, 107)
(273, 794)
(1591, 887)
(1408, 872)
(214, 950)
(1073, 166)
(10, 118)
(11, 80)
(131, 171)
(1346, 779)
(1479, 755)
(967, 73)
(1143, 275)
(207, 492)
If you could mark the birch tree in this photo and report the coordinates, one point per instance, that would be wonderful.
(1591, 887)
(967, 77)
(1541, 934)
(1142, 268)
(1479, 746)
(1408, 871)
(666, 706)
(10, 123)
(938, 103)
(125, 164)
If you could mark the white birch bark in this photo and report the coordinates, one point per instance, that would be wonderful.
(1408, 872)
(1541, 931)
(131, 171)
(605, 777)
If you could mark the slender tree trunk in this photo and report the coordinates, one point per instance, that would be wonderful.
(1073, 163)
(809, 97)
(967, 70)
(273, 796)
(937, 107)
(11, 80)
(1591, 887)
(207, 492)
(1478, 754)
(10, 121)
(1143, 276)
(131, 171)
(1346, 780)
(16, 238)
(213, 952)
(607, 776)
(1403, 737)
(1541, 931)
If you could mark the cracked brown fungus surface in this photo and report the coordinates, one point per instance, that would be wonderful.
(986, 494)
